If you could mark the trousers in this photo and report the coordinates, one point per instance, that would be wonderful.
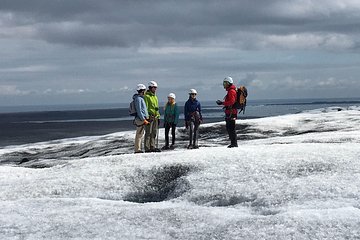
(167, 130)
(193, 132)
(231, 129)
(150, 134)
(140, 128)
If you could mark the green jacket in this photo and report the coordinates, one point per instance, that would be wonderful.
(152, 104)
(171, 113)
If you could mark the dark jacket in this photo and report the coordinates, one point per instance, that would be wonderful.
(229, 101)
(192, 108)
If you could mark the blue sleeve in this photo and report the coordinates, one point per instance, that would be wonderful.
(138, 108)
(199, 107)
(145, 111)
(186, 113)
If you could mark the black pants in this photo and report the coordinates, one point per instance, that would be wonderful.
(231, 129)
(167, 130)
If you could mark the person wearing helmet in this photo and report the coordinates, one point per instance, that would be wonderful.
(171, 118)
(230, 111)
(193, 118)
(152, 104)
(141, 116)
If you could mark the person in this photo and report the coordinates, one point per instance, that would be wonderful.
(152, 104)
(193, 118)
(230, 110)
(171, 118)
(141, 116)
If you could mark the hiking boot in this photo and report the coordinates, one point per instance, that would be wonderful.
(232, 145)
(165, 148)
(172, 147)
(195, 147)
(155, 150)
(190, 146)
(139, 151)
(148, 151)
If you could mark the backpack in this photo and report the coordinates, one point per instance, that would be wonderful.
(241, 94)
(132, 109)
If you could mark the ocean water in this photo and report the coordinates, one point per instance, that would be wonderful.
(29, 124)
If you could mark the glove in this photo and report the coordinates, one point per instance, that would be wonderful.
(219, 102)
(186, 124)
(146, 122)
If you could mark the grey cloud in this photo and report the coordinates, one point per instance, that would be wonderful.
(102, 47)
(131, 23)
(248, 79)
(83, 35)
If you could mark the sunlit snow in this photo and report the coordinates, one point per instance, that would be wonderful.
(293, 177)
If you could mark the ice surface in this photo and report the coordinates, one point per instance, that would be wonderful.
(293, 177)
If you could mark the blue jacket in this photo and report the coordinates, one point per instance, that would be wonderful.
(140, 106)
(192, 107)
(171, 113)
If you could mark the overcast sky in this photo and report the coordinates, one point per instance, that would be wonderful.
(91, 51)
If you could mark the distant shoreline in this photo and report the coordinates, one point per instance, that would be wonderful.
(107, 106)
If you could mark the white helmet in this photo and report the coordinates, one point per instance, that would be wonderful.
(152, 84)
(229, 80)
(172, 95)
(140, 87)
(192, 91)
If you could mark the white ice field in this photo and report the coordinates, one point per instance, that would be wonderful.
(293, 177)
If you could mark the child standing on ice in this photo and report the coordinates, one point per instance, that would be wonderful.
(171, 118)
(193, 118)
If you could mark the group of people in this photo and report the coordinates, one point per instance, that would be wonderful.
(147, 119)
